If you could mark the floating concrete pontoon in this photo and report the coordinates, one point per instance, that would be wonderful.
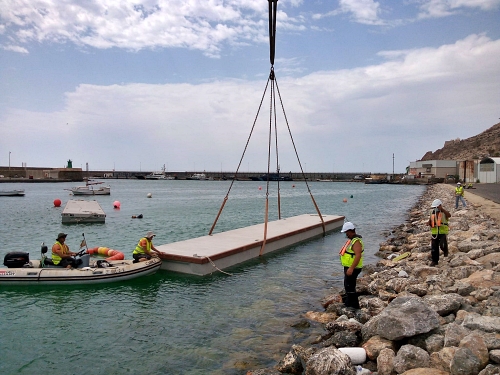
(204, 255)
(82, 211)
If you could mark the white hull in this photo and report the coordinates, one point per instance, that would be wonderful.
(89, 190)
(121, 270)
(12, 193)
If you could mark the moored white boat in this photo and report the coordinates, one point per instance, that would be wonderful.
(90, 189)
(199, 176)
(12, 193)
(34, 273)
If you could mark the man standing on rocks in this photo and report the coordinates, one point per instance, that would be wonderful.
(438, 222)
(351, 257)
(459, 195)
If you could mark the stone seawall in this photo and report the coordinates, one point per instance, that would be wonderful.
(416, 319)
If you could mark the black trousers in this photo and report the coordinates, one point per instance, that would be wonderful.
(438, 241)
(351, 297)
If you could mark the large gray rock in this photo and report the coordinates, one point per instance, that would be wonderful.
(490, 370)
(294, 361)
(477, 346)
(329, 361)
(410, 357)
(454, 334)
(464, 362)
(444, 304)
(483, 323)
(403, 317)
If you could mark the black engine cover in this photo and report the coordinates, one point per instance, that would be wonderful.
(16, 259)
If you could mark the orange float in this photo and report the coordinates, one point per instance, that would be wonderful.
(107, 252)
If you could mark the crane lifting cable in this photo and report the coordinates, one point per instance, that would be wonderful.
(273, 84)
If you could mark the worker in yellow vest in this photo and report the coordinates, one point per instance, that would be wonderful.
(459, 195)
(438, 221)
(351, 257)
(61, 255)
(144, 249)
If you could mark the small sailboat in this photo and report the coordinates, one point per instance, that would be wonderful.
(90, 187)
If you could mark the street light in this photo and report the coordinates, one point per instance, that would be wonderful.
(9, 163)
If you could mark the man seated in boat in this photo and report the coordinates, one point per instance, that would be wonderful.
(61, 255)
(143, 250)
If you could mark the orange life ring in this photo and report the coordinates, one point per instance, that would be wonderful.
(109, 253)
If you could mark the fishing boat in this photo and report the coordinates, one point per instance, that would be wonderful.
(90, 187)
(199, 176)
(12, 193)
(160, 175)
(20, 270)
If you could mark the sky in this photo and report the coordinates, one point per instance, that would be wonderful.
(361, 85)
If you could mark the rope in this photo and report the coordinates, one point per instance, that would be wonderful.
(217, 268)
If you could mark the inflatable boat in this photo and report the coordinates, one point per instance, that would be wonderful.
(20, 270)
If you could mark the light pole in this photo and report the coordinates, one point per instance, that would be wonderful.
(9, 163)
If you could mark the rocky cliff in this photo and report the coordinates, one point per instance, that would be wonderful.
(482, 145)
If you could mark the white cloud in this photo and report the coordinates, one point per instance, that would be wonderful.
(363, 11)
(16, 49)
(407, 105)
(195, 24)
(443, 8)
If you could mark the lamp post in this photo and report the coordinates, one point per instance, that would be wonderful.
(9, 163)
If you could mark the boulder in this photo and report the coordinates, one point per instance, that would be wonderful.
(410, 357)
(385, 362)
(442, 359)
(329, 361)
(490, 370)
(464, 362)
(477, 346)
(454, 333)
(484, 323)
(403, 317)
(293, 362)
(495, 356)
(375, 345)
(444, 304)
(425, 371)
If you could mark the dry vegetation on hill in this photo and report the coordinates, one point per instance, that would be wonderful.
(479, 146)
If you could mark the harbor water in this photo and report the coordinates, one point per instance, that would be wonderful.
(171, 323)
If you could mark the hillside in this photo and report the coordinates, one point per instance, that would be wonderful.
(482, 145)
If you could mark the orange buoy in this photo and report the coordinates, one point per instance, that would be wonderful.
(57, 202)
(344, 200)
(106, 251)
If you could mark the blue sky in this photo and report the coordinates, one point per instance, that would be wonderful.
(138, 84)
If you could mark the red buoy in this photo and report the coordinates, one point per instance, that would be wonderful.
(116, 204)
(57, 202)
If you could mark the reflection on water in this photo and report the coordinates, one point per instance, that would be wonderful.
(169, 323)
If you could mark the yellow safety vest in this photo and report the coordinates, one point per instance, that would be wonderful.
(347, 254)
(439, 223)
(56, 258)
(459, 190)
(139, 249)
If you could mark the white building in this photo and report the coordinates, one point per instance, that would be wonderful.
(433, 168)
(489, 170)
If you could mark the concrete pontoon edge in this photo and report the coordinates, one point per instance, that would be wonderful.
(204, 255)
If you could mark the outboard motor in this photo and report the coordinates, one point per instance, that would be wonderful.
(16, 259)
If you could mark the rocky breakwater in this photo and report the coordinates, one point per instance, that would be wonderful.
(415, 319)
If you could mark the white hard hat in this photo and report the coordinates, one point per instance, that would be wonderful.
(347, 226)
(458, 183)
(436, 203)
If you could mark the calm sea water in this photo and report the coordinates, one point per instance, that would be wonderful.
(170, 323)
